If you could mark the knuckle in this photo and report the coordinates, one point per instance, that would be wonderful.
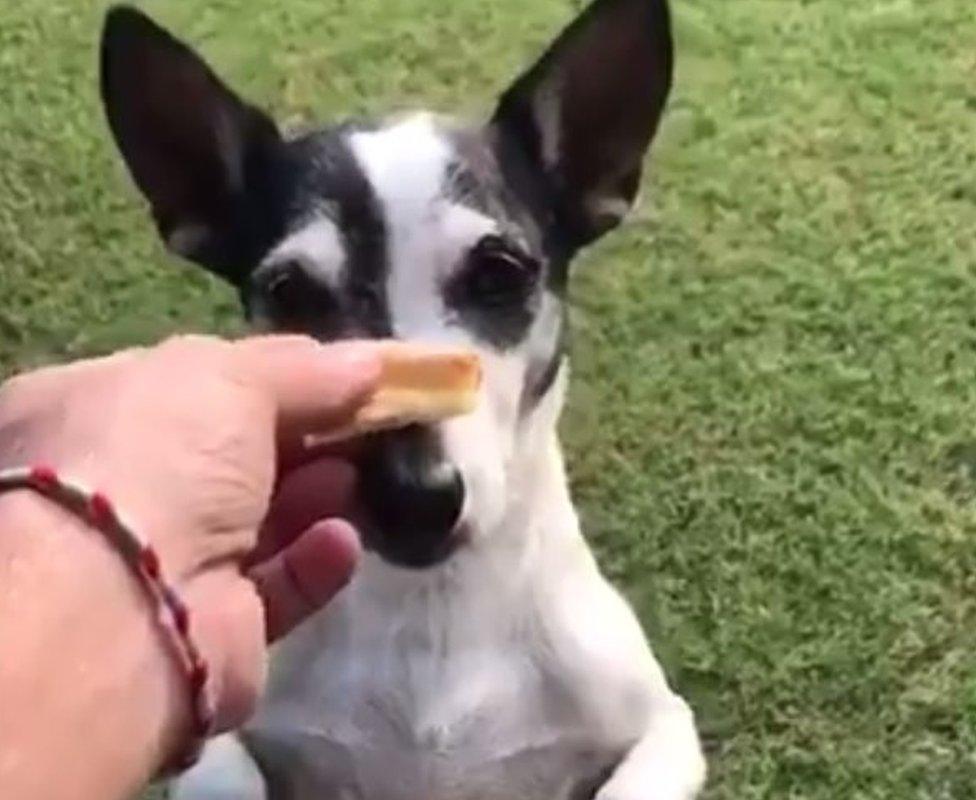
(252, 355)
(280, 340)
(21, 393)
(193, 344)
(194, 352)
(16, 388)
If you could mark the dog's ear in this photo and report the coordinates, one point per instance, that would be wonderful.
(200, 155)
(586, 113)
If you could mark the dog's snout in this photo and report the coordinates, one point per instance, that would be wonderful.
(423, 502)
(414, 498)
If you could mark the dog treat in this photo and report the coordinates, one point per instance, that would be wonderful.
(418, 385)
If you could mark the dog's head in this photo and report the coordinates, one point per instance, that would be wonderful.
(418, 229)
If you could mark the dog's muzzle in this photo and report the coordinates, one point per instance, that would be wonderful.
(413, 498)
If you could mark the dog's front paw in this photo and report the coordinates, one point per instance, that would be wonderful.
(674, 781)
(653, 790)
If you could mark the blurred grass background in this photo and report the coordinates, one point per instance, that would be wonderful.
(772, 419)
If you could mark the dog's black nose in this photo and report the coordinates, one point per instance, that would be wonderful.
(414, 499)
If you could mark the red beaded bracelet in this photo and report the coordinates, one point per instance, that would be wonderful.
(95, 509)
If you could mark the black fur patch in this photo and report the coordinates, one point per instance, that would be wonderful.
(326, 180)
(480, 181)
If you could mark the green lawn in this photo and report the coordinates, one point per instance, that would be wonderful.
(772, 426)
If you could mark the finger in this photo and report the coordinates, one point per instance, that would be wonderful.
(319, 490)
(315, 388)
(307, 575)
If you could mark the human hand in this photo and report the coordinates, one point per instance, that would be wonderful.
(196, 441)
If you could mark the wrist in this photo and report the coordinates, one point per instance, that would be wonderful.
(92, 685)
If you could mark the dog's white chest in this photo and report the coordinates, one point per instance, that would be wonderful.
(426, 704)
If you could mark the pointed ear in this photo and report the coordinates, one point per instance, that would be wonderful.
(585, 114)
(199, 154)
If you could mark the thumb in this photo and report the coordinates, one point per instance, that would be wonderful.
(302, 578)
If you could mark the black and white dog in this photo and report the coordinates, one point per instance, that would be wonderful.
(506, 667)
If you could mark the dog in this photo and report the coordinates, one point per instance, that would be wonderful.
(478, 654)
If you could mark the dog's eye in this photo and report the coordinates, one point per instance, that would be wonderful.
(496, 293)
(497, 273)
(294, 302)
(285, 287)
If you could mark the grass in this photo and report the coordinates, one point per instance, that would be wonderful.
(772, 424)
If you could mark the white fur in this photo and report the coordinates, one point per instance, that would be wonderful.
(512, 671)
(317, 247)
(407, 166)
(231, 774)
(428, 236)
